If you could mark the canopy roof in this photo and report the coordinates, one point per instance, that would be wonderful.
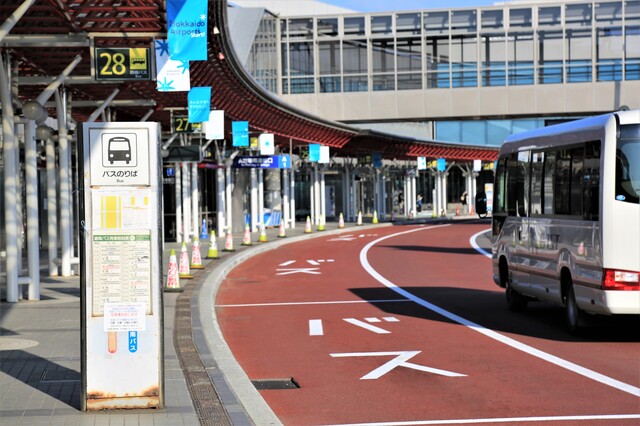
(53, 32)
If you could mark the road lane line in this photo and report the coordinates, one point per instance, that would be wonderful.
(334, 302)
(475, 245)
(593, 375)
(500, 420)
(315, 327)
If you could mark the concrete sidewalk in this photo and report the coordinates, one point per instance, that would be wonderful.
(40, 351)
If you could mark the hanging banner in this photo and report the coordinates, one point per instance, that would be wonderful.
(171, 75)
(441, 164)
(214, 127)
(199, 104)
(187, 35)
(314, 152)
(267, 145)
(324, 155)
(422, 163)
(240, 133)
(376, 158)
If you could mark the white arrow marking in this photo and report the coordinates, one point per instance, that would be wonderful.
(399, 361)
(289, 271)
(366, 326)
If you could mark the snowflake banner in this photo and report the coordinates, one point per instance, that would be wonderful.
(171, 75)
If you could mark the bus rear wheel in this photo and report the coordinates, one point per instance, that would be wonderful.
(575, 317)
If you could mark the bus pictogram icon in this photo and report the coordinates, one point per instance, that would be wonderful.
(119, 150)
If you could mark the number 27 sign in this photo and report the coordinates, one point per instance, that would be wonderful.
(126, 63)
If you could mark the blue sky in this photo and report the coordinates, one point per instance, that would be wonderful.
(396, 5)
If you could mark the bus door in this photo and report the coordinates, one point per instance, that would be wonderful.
(518, 204)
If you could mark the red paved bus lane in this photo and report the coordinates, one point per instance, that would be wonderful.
(404, 324)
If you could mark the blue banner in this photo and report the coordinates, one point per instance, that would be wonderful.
(314, 152)
(376, 158)
(263, 162)
(240, 133)
(199, 104)
(441, 164)
(187, 34)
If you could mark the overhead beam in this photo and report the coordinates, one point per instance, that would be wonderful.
(45, 41)
(115, 103)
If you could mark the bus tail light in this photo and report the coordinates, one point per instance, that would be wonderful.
(620, 280)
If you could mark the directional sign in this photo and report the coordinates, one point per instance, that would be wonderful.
(263, 162)
(122, 63)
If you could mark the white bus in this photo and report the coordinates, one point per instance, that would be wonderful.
(566, 217)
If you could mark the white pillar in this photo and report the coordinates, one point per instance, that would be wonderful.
(52, 206)
(195, 200)
(261, 196)
(65, 188)
(444, 192)
(228, 200)
(322, 211)
(383, 196)
(414, 194)
(9, 154)
(286, 209)
(33, 229)
(186, 202)
(254, 199)
(292, 197)
(178, 190)
(220, 189)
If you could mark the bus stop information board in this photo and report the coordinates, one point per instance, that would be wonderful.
(121, 274)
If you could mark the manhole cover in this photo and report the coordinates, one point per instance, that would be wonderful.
(275, 384)
(13, 344)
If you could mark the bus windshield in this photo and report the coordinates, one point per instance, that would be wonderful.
(628, 165)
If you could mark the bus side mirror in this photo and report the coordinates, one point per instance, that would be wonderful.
(481, 203)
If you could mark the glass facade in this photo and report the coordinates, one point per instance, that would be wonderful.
(262, 62)
(513, 45)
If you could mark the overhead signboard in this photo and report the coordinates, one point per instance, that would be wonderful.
(183, 154)
(122, 63)
(181, 124)
(263, 162)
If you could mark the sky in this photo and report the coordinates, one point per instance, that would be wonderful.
(396, 5)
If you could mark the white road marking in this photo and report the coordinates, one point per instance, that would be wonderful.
(372, 320)
(475, 245)
(289, 271)
(590, 374)
(366, 326)
(313, 262)
(516, 420)
(287, 263)
(315, 327)
(399, 361)
(391, 319)
(333, 302)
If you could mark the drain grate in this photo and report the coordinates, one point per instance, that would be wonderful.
(275, 384)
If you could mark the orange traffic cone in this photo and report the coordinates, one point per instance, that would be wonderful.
(307, 227)
(228, 242)
(196, 256)
(281, 231)
(359, 222)
(184, 271)
(470, 209)
(457, 210)
(246, 239)
(213, 247)
(173, 280)
(341, 221)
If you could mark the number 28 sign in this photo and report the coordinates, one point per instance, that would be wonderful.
(126, 63)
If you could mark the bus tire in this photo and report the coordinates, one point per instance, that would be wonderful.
(516, 301)
(575, 317)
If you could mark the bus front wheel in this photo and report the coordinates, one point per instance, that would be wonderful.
(516, 301)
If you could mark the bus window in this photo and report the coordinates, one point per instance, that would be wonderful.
(562, 187)
(591, 180)
(628, 165)
(537, 161)
(577, 170)
(517, 184)
(549, 178)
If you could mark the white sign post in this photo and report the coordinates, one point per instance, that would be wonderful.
(121, 274)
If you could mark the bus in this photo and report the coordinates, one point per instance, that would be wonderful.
(566, 217)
